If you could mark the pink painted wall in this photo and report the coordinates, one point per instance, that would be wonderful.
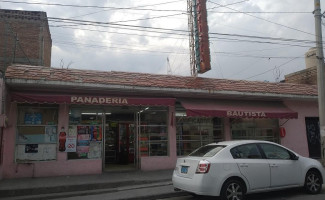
(164, 162)
(296, 138)
(227, 129)
(60, 167)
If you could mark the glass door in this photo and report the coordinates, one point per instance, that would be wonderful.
(120, 147)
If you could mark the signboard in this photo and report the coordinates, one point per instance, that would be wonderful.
(71, 144)
(202, 48)
(35, 152)
(82, 99)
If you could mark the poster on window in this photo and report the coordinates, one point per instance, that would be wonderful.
(82, 151)
(72, 131)
(85, 141)
(71, 144)
(94, 150)
(50, 134)
(35, 152)
(33, 118)
(95, 133)
(31, 148)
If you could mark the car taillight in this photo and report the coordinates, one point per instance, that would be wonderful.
(203, 167)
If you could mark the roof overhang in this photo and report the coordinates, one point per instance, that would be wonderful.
(91, 88)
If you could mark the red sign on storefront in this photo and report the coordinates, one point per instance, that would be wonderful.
(203, 34)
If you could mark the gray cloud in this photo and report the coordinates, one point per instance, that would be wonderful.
(128, 46)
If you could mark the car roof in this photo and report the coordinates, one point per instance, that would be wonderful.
(239, 142)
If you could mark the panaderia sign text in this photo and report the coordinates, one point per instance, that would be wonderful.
(98, 100)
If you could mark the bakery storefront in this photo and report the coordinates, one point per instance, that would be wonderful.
(59, 134)
(74, 122)
(114, 132)
(201, 122)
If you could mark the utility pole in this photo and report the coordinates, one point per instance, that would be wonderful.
(320, 76)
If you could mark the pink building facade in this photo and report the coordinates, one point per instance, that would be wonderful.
(74, 122)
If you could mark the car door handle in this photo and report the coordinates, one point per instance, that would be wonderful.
(243, 165)
(273, 165)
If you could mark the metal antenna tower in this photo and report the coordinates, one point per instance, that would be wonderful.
(191, 37)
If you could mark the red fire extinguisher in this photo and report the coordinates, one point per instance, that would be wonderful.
(282, 132)
(62, 139)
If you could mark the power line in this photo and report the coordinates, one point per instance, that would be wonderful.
(255, 56)
(228, 4)
(259, 42)
(245, 13)
(157, 17)
(99, 7)
(133, 7)
(75, 22)
(120, 33)
(265, 38)
(252, 12)
(113, 47)
(230, 37)
(97, 23)
(272, 68)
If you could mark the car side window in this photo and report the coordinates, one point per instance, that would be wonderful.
(247, 151)
(275, 152)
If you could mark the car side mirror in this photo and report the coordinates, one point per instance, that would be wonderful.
(294, 157)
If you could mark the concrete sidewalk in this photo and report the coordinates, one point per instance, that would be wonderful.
(85, 183)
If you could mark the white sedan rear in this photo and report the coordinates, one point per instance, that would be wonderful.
(232, 169)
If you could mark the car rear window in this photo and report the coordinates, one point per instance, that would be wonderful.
(206, 151)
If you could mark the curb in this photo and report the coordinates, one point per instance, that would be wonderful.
(81, 188)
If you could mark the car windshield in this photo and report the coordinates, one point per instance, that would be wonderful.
(206, 151)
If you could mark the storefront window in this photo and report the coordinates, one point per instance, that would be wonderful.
(85, 134)
(257, 129)
(37, 130)
(194, 132)
(153, 132)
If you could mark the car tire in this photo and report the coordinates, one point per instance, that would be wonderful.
(313, 183)
(193, 194)
(233, 190)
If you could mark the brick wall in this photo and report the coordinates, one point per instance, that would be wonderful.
(306, 76)
(25, 38)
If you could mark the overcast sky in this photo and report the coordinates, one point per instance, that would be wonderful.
(249, 39)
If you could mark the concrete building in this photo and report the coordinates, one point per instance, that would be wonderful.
(308, 75)
(72, 122)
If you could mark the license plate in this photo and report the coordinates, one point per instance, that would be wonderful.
(184, 169)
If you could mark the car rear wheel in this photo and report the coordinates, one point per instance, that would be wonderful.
(313, 184)
(233, 190)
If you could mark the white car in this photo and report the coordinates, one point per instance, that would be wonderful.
(232, 169)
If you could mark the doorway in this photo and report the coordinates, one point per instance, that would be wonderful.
(120, 141)
(313, 137)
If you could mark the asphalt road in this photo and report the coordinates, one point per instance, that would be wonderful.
(291, 194)
(166, 192)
